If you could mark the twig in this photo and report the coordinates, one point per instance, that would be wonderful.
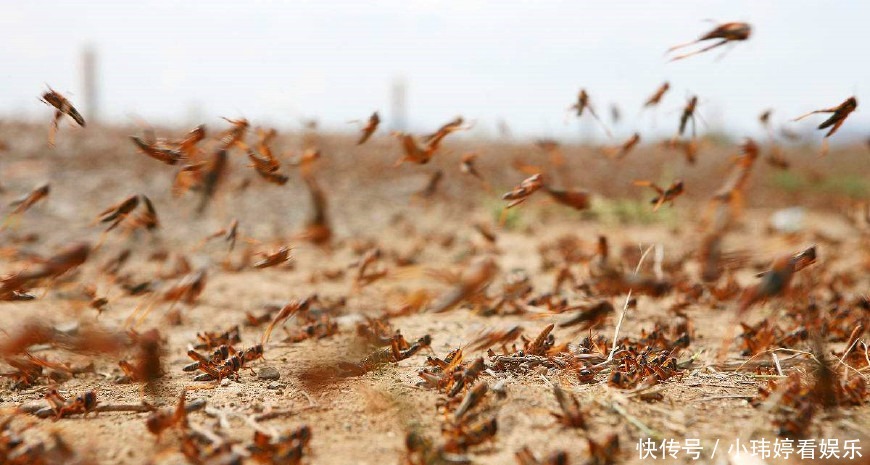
(311, 402)
(727, 386)
(278, 413)
(688, 362)
(735, 396)
(797, 352)
(45, 412)
(657, 263)
(756, 376)
(819, 362)
(210, 436)
(776, 362)
(622, 316)
(223, 421)
(137, 408)
(866, 354)
(547, 381)
(252, 422)
(632, 419)
(848, 350)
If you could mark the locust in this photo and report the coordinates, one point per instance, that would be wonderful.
(725, 33)
(62, 106)
(392, 354)
(838, 117)
(619, 152)
(657, 96)
(583, 104)
(23, 204)
(665, 195)
(370, 127)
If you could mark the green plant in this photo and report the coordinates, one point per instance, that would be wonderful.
(630, 211)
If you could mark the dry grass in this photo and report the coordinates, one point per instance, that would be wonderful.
(365, 419)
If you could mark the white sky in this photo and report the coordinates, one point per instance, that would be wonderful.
(524, 61)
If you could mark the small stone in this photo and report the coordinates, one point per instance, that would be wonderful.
(68, 329)
(195, 404)
(274, 385)
(788, 220)
(32, 407)
(268, 373)
(225, 382)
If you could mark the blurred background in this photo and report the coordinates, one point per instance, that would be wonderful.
(514, 65)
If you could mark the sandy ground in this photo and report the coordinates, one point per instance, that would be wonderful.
(364, 419)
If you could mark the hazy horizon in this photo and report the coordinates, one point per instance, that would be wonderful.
(523, 62)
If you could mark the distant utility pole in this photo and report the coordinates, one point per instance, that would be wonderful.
(399, 105)
(90, 84)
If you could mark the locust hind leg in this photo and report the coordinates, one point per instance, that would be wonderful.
(815, 112)
(52, 130)
(395, 351)
(727, 50)
(705, 49)
(129, 320)
(683, 45)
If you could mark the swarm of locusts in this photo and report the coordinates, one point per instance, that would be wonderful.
(230, 294)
